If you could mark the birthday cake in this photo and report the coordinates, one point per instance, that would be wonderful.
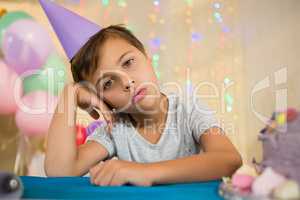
(278, 175)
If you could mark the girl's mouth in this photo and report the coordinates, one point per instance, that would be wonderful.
(140, 94)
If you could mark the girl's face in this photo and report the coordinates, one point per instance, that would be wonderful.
(122, 72)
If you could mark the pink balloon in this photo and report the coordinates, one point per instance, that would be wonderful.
(10, 89)
(26, 46)
(35, 113)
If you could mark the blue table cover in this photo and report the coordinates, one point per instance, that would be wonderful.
(80, 188)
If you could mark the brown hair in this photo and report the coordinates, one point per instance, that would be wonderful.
(86, 59)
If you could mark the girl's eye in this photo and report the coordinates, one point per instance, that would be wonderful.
(108, 84)
(128, 62)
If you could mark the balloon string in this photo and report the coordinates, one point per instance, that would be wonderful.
(23, 144)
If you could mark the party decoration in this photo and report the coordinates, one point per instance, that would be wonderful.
(218, 17)
(281, 119)
(242, 181)
(65, 24)
(288, 190)
(11, 186)
(26, 46)
(105, 2)
(8, 19)
(217, 5)
(196, 37)
(35, 113)
(291, 114)
(10, 89)
(81, 135)
(266, 182)
(122, 3)
(156, 2)
(51, 77)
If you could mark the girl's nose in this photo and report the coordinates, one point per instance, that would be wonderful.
(129, 85)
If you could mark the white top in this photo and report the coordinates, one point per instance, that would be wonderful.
(187, 119)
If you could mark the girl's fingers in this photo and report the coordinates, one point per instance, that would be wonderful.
(94, 171)
(97, 103)
(117, 181)
(101, 175)
(107, 114)
(94, 114)
(105, 176)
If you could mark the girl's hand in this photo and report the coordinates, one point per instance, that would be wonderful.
(88, 100)
(118, 172)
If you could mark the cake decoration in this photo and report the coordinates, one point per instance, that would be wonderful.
(278, 174)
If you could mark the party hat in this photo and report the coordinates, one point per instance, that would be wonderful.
(72, 30)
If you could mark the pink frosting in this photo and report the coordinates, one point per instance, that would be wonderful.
(266, 182)
(242, 181)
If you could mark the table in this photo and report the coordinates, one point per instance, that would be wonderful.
(80, 188)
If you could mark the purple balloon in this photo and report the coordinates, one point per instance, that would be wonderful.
(92, 127)
(10, 89)
(26, 46)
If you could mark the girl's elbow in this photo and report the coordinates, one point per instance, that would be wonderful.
(58, 173)
(51, 171)
(234, 162)
(238, 162)
(54, 170)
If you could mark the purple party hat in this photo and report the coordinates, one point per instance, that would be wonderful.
(72, 30)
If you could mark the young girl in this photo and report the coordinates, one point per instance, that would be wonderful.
(157, 138)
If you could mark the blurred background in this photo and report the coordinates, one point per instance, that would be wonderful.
(240, 56)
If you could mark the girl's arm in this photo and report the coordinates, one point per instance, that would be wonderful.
(63, 158)
(220, 158)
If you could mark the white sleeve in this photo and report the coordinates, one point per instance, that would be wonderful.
(101, 136)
